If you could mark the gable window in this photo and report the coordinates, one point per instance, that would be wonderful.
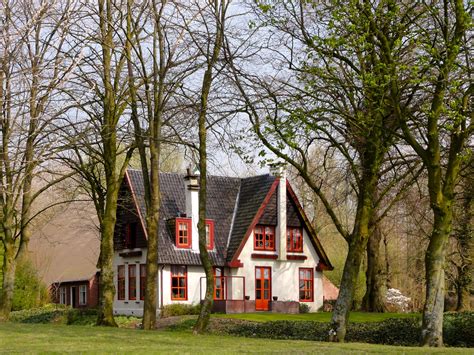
(264, 237)
(219, 283)
(294, 239)
(179, 282)
(121, 282)
(132, 282)
(82, 295)
(306, 285)
(62, 295)
(210, 234)
(183, 233)
(130, 235)
(142, 281)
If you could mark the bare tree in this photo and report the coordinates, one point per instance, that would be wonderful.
(155, 80)
(100, 147)
(37, 58)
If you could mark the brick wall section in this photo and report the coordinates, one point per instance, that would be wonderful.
(73, 286)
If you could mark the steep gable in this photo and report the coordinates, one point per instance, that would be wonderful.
(253, 192)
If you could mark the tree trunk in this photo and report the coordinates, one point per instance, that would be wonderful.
(8, 284)
(374, 298)
(357, 246)
(151, 294)
(107, 287)
(432, 328)
(206, 307)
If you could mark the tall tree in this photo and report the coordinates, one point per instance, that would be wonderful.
(155, 80)
(334, 94)
(214, 14)
(438, 131)
(100, 147)
(36, 60)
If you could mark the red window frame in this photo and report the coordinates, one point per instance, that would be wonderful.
(264, 237)
(132, 282)
(130, 235)
(292, 244)
(306, 284)
(142, 281)
(210, 242)
(183, 241)
(219, 283)
(179, 282)
(121, 282)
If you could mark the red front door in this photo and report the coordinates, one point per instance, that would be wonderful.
(263, 287)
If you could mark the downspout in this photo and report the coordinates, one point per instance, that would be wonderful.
(161, 286)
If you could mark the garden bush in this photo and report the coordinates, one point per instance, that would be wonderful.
(50, 313)
(81, 316)
(304, 308)
(179, 309)
(458, 330)
(30, 291)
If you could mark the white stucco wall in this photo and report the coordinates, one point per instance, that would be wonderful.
(127, 306)
(285, 273)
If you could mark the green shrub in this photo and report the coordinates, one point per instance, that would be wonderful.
(458, 329)
(304, 308)
(179, 309)
(392, 331)
(30, 291)
(51, 313)
(81, 317)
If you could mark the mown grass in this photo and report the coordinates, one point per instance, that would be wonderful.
(51, 338)
(356, 317)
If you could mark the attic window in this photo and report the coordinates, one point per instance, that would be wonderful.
(183, 232)
(294, 239)
(130, 235)
(210, 234)
(264, 237)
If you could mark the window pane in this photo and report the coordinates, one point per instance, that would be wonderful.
(266, 294)
(266, 273)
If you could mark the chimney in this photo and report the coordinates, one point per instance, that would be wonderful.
(279, 171)
(191, 183)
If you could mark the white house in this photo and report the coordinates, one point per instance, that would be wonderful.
(265, 253)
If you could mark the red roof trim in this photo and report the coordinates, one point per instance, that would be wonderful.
(322, 266)
(296, 257)
(136, 204)
(256, 219)
(236, 263)
(324, 260)
(264, 256)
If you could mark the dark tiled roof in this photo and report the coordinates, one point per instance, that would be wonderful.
(222, 193)
(252, 193)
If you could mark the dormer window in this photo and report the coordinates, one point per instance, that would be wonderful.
(294, 239)
(183, 233)
(130, 235)
(264, 237)
(210, 234)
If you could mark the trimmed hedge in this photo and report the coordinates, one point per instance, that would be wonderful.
(458, 330)
(179, 309)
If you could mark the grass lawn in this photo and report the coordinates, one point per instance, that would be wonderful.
(356, 317)
(51, 338)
